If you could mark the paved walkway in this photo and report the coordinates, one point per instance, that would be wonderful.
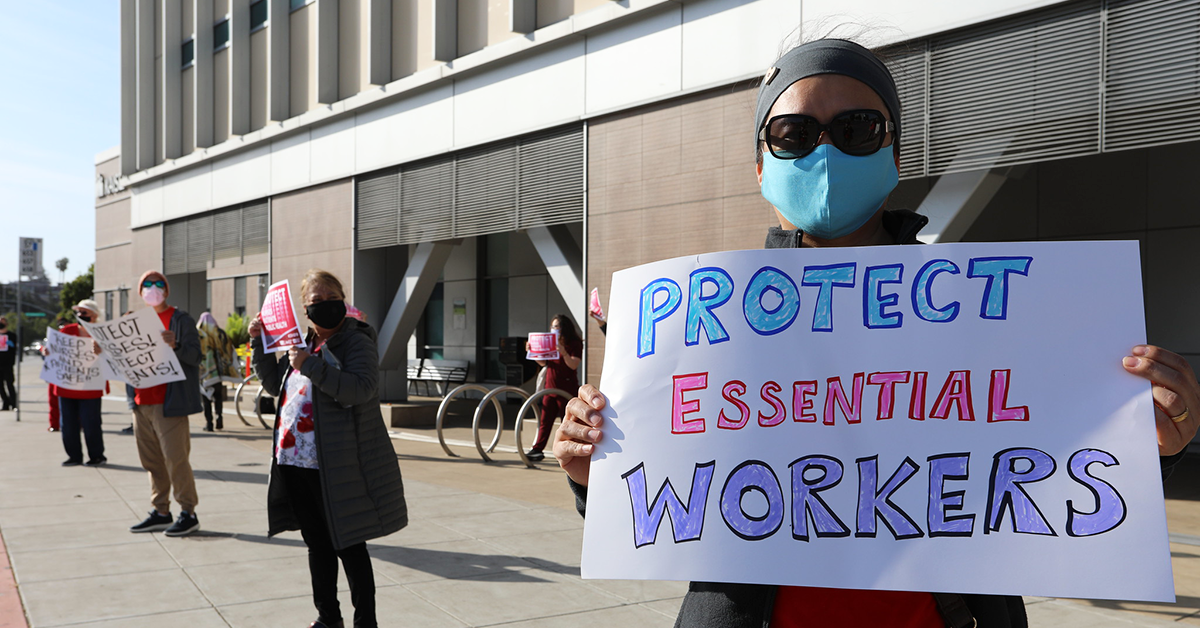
(487, 545)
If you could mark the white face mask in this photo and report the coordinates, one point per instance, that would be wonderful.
(154, 297)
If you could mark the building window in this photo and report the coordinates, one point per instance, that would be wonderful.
(108, 305)
(435, 337)
(258, 14)
(298, 4)
(221, 34)
(189, 52)
(124, 301)
(239, 295)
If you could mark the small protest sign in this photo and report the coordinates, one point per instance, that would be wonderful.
(3, 342)
(133, 348)
(280, 329)
(594, 304)
(542, 346)
(72, 363)
(949, 417)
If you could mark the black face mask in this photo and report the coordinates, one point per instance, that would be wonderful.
(87, 318)
(326, 314)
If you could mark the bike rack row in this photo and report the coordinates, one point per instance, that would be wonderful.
(492, 395)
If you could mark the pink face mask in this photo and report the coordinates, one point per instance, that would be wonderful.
(154, 297)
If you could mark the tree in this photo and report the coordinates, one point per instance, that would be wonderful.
(61, 265)
(74, 291)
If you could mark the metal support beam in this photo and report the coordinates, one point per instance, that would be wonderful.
(379, 34)
(522, 16)
(147, 117)
(172, 80)
(129, 91)
(956, 200)
(202, 70)
(408, 305)
(564, 262)
(445, 30)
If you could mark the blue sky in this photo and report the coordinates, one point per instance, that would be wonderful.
(60, 106)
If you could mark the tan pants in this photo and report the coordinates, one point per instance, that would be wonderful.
(164, 444)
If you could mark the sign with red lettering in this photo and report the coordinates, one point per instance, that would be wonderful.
(950, 417)
(542, 346)
(280, 329)
(3, 342)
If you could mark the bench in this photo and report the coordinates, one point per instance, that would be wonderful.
(444, 372)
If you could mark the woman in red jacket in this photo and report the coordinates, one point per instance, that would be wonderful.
(81, 408)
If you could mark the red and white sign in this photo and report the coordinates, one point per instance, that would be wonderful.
(594, 305)
(280, 329)
(542, 347)
(3, 342)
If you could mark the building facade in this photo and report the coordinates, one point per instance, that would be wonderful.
(470, 168)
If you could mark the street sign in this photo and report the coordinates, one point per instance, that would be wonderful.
(35, 314)
(31, 257)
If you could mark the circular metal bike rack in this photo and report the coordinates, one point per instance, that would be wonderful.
(521, 419)
(441, 413)
(237, 398)
(492, 396)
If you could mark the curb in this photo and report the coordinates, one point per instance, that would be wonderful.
(12, 614)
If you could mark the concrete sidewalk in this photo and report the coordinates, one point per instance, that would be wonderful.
(487, 544)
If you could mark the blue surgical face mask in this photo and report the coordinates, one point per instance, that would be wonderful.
(827, 193)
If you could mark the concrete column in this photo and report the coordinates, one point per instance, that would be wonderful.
(411, 298)
(203, 72)
(327, 51)
(522, 16)
(379, 30)
(129, 93)
(278, 56)
(146, 114)
(239, 66)
(172, 79)
(445, 30)
(564, 263)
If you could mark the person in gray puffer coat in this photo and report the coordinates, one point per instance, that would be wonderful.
(334, 473)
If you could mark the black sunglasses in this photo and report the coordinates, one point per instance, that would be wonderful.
(154, 283)
(859, 133)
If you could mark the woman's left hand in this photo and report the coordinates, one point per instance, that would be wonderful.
(1176, 394)
(297, 357)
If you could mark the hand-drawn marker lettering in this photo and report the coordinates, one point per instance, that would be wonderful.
(942, 468)
(651, 314)
(876, 504)
(807, 504)
(1110, 506)
(827, 278)
(686, 523)
(996, 269)
(752, 475)
(1005, 491)
(922, 292)
(700, 307)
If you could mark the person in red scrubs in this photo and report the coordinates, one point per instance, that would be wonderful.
(80, 409)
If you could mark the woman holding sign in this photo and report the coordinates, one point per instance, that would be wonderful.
(560, 373)
(334, 474)
(81, 408)
(827, 156)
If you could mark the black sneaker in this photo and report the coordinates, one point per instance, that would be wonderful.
(71, 463)
(95, 462)
(186, 524)
(128, 430)
(535, 456)
(153, 523)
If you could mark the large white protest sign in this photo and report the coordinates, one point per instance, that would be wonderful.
(280, 330)
(133, 348)
(72, 363)
(928, 418)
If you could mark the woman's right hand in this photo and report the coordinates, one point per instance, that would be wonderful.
(580, 430)
(256, 326)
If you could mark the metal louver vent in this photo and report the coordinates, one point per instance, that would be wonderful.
(175, 242)
(378, 199)
(910, 69)
(550, 168)
(485, 191)
(427, 201)
(255, 229)
(199, 245)
(227, 234)
(1152, 72)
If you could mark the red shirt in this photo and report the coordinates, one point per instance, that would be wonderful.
(155, 395)
(74, 330)
(801, 607)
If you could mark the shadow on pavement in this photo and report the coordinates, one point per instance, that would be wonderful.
(448, 565)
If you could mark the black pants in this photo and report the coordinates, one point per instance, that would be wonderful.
(81, 413)
(217, 398)
(304, 492)
(8, 392)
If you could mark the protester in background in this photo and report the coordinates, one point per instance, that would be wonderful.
(218, 362)
(51, 389)
(161, 418)
(334, 474)
(81, 408)
(8, 360)
(561, 374)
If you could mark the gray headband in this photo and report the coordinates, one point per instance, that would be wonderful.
(826, 56)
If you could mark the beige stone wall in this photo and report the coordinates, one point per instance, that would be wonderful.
(313, 229)
(259, 82)
(221, 98)
(651, 196)
(147, 251)
(222, 299)
(302, 66)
